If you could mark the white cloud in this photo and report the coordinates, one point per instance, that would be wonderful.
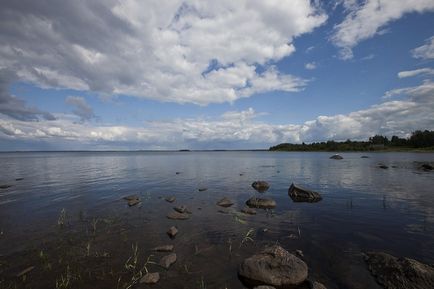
(411, 73)
(236, 129)
(310, 65)
(366, 19)
(179, 51)
(425, 51)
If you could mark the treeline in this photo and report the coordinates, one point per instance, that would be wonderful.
(418, 139)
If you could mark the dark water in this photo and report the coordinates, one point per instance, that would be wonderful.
(363, 208)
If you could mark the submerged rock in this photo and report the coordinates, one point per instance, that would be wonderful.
(182, 209)
(381, 166)
(400, 273)
(300, 194)
(172, 232)
(202, 189)
(5, 186)
(19, 179)
(264, 287)
(316, 285)
(248, 211)
(170, 199)
(336, 157)
(150, 278)
(167, 260)
(225, 202)
(178, 216)
(273, 266)
(132, 200)
(260, 186)
(166, 248)
(426, 167)
(262, 203)
(364, 157)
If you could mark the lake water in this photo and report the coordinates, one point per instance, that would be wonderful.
(364, 208)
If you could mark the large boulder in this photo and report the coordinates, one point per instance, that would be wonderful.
(260, 186)
(262, 203)
(300, 194)
(273, 266)
(399, 273)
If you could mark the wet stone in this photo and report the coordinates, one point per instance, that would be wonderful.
(264, 287)
(19, 179)
(316, 285)
(336, 157)
(172, 232)
(399, 273)
(202, 189)
(170, 199)
(262, 203)
(364, 157)
(178, 216)
(5, 186)
(167, 260)
(166, 248)
(225, 202)
(381, 166)
(427, 167)
(150, 278)
(300, 194)
(133, 202)
(248, 211)
(182, 209)
(260, 186)
(273, 266)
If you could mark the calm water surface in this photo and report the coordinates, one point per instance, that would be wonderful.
(363, 208)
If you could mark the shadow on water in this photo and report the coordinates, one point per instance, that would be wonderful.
(64, 223)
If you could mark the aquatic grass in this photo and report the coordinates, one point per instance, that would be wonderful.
(62, 218)
(65, 281)
(201, 283)
(94, 224)
(46, 265)
(247, 237)
(131, 265)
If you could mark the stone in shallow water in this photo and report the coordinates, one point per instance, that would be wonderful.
(336, 157)
(150, 278)
(5, 186)
(248, 211)
(182, 209)
(132, 200)
(316, 285)
(165, 248)
(381, 166)
(260, 186)
(273, 266)
(399, 273)
(170, 199)
(262, 203)
(202, 189)
(264, 287)
(172, 232)
(225, 202)
(167, 260)
(300, 194)
(178, 216)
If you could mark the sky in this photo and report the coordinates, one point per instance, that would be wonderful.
(245, 74)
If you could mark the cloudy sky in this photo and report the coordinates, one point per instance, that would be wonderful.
(133, 74)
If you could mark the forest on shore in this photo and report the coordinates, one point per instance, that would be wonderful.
(419, 140)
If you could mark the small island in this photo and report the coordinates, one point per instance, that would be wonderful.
(418, 141)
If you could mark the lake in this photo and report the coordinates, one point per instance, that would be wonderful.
(67, 217)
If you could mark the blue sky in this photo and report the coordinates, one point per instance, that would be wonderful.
(203, 75)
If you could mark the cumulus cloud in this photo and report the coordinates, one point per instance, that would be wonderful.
(366, 19)
(81, 107)
(310, 65)
(425, 51)
(16, 108)
(178, 51)
(411, 73)
(414, 110)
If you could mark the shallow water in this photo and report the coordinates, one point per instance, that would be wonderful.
(363, 208)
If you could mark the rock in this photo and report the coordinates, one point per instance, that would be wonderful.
(364, 157)
(19, 179)
(260, 186)
(166, 248)
(182, 209)
(150, 278)
(299, 253)
(336, 157)
(25, 271)
(177, 173)
(273, 266)
(202, 189)
(170, 199)
(381, 166)
(132, 200)
(172, 232)
(178, 216)
(248, 211)
(427, 167)
(225, 202)
(5, 186)
(264, 287)
(224, 211)
(300, 194)
(316, 285)
(399, 273)
(262, 203)
(167, 260)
